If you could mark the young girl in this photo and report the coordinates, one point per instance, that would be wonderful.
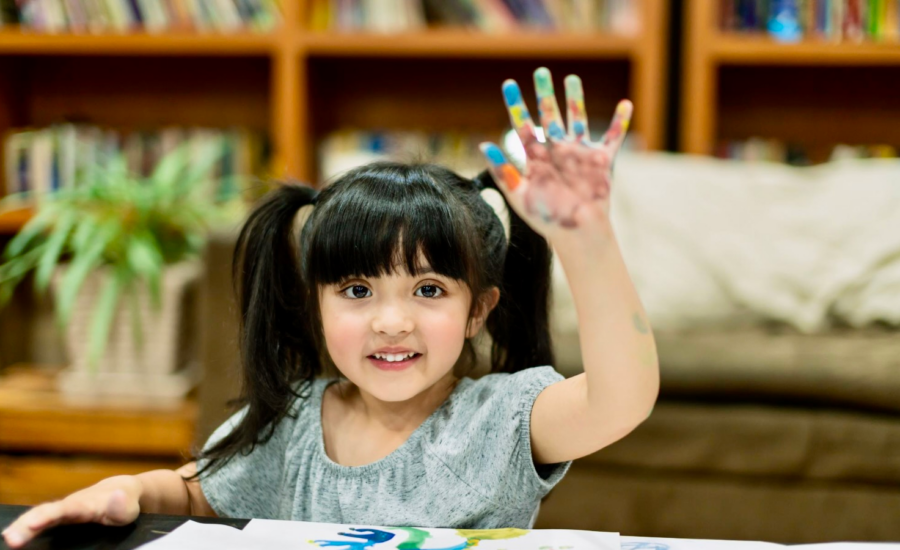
(394, 272)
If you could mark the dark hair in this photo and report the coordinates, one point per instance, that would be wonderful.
(373, 221)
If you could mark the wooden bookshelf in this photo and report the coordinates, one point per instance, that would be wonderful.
(284, 84)
(469, 44)
(13, 42)
(737, 50)
(815, 92)
(13, 220)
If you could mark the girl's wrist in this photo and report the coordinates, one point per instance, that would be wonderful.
(598, 239)
(130, 484)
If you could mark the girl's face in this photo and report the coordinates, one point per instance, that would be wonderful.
(397, 315)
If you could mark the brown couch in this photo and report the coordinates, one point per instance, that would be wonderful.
(759, 433)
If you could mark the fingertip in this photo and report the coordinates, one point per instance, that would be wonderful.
(511, 92)
(542, 76)
(13, 539)
(493, 153)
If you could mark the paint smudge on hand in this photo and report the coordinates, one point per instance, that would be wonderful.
(576, 113)
(551, 120)
(519, 115)
(568, 171)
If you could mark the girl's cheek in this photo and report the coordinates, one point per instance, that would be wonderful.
(346, 333)
(444, 332)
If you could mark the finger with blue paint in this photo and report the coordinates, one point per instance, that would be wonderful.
(519, 115)
(503, 171)
(576, 115)
(548, 108)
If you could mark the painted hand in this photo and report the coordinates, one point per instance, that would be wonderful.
(567, 179)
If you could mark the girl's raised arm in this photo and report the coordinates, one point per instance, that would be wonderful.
(564, 195)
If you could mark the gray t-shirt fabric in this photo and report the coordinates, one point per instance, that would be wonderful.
(467, 466)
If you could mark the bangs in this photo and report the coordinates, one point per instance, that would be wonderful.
(385, 218)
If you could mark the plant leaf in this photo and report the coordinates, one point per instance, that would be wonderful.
(32, 229)
(115, 171)
(21, 264)
(102, 317)
(171, 167)
(205, 157)
(86, 229)
(137, 329)
(81, 266)
(55, 245)
(146, 261)
(13, 271)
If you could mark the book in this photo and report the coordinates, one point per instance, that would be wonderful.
(837, 20)
(39, 162)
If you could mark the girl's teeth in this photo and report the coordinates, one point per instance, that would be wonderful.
(394, 358)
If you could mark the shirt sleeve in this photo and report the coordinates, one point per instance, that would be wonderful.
(499, 436)
(247, 485)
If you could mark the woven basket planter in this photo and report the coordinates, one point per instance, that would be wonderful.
(163, 370)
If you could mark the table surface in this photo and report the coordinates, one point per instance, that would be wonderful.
(93, 536)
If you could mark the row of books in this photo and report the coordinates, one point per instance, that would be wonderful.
(387, 16)
(774, 150)
(41, 161)
(791, 20)
(121, 16)
(345, 149)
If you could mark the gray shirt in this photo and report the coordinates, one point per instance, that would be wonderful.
(468, 465)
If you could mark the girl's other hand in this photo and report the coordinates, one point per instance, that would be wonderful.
(113, 501)
(567, 178)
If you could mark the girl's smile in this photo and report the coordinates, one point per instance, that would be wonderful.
(395, 365)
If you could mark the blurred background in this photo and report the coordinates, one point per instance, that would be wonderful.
(756, 204)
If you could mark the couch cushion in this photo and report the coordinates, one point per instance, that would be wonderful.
(849, 368)
(757, 441)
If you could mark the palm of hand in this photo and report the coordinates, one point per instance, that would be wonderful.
(567, 178)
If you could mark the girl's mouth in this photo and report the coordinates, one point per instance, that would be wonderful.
(394, 365)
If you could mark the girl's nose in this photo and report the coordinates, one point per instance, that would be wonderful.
(393, 319)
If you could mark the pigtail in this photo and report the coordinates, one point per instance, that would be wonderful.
(519, 325)
(277, 348)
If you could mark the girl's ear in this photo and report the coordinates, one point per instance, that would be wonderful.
(486, 304)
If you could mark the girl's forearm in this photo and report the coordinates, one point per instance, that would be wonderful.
(617, 345)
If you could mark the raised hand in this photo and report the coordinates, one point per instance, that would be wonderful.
(567, 179)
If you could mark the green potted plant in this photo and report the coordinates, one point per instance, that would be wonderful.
(120, 252)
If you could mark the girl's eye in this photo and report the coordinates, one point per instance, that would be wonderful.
(357, 291)
(431, 291)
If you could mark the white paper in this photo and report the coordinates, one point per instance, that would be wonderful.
(299, 535)
(200, 536)
(654, 543)
(316, 536)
